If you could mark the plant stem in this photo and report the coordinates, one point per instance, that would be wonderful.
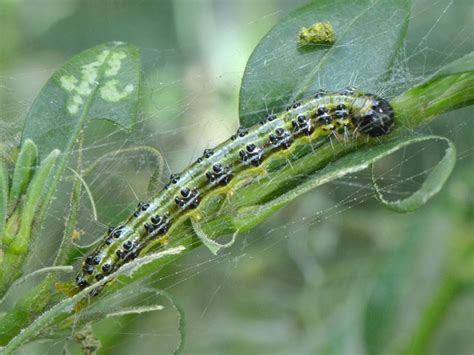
(420, 104)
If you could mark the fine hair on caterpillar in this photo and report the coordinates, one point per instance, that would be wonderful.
(344, 115)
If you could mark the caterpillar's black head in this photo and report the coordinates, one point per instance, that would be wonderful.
(377, 118)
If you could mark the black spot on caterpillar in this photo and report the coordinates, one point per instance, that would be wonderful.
(348, 112)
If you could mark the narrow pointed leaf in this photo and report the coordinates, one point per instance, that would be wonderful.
(3, 197)
(24, 168)
(34, 198)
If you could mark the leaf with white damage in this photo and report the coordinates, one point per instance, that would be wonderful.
(99, 83)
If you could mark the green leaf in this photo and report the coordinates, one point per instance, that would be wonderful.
(99, 83)
(3, 197)
(430, 187)
(24, 168)
(34, 199)
(369, 35)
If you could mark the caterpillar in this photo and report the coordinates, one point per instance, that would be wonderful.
(348, 112)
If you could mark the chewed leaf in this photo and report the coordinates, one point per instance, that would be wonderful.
(279, 71)
(212, 245)
(352, 163)
(430, 187)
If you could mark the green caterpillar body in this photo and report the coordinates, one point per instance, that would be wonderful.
(346, 114)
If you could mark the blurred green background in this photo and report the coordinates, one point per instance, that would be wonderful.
(334, 273)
